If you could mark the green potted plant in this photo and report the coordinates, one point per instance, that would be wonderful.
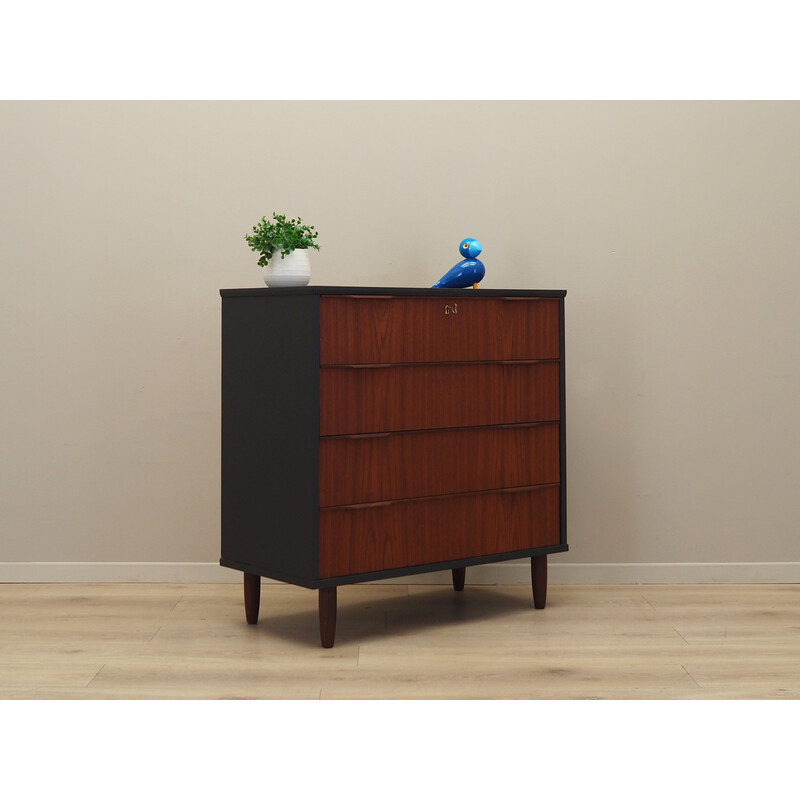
(289, 238)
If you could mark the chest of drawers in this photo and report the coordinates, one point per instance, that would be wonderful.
(376, 433)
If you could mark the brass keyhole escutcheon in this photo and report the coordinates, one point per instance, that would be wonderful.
(453, 309)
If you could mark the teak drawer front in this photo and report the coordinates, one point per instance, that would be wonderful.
(409, 533)
(392, 329)
(395, 398)
(372, 468)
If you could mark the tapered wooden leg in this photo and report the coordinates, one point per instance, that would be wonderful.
(539, 580)
(252, 597)
(458, 578)
(327, 616)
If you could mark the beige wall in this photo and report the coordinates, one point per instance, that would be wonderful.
(673, 226)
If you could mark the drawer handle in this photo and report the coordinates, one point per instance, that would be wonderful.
(364, 436)
(507, 425)
(375, 505)
(513, 361)
(364, 366)
(533, 488)
(405, 500)
(451, 309)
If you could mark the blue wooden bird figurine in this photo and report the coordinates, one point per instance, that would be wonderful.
(468, 272)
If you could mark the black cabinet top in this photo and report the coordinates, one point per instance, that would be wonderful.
(394, 291)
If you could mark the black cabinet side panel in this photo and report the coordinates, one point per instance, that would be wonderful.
(270, 433)
(563, 426)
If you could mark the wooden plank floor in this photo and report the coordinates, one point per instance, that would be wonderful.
(164, 641)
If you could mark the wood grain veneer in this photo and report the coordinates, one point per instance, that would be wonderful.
(370, 538)
(395, 398)
(411, 329)
(367, 469)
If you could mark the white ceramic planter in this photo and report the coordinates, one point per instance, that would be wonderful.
(291, 270)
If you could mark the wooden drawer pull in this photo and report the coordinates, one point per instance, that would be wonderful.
(364, 366)
(427, 498)
(523, 424)
(513, 489)
(514, 361)
(365, 435)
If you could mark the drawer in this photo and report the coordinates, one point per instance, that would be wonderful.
(394, 329)
(413, 532)
(374, 467)
(396, 398)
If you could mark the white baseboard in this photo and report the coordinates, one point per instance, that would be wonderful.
(504, 573)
